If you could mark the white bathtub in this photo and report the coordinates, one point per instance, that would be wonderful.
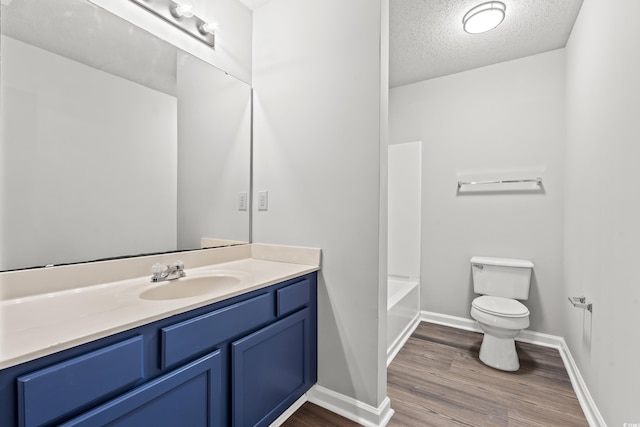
(403, 310)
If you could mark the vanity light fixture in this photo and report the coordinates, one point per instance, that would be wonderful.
(182, 14)
(484, 17)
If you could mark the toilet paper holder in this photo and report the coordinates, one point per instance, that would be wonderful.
(581, 302)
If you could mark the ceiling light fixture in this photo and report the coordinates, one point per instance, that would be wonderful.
(484, 17)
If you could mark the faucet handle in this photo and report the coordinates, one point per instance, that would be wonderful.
(157, 269)
(179, 266)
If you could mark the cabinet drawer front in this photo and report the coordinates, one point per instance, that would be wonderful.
(52, 392)
(193, 336)
(294, 296)
(187, 396)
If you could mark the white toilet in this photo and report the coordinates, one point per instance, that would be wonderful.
(500, 281)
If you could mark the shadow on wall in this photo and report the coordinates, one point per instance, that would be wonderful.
(587, 330)
(471, 295)
(465, 193)
(333, 372)
(535, 300)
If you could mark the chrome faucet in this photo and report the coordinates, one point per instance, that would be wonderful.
(167, 272)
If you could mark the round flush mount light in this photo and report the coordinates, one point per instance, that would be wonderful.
(484, 17)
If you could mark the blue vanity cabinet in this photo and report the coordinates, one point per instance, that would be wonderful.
(237, 362)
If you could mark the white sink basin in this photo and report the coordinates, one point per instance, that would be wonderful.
(187, 287)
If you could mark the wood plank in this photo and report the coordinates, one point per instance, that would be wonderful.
(311, 415)
(437, 379)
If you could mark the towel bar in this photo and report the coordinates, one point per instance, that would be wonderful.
(538, 182)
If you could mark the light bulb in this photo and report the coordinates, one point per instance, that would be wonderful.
(207, 28)
(182, 9)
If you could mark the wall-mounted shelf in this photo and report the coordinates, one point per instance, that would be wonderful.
(537, 181)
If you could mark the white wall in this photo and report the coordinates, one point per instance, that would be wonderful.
(317, 150)
(49, 214)
(602, 208)
(214, 159)
(233, 40)
(502, 121)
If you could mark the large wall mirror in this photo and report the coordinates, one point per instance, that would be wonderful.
(113, 142)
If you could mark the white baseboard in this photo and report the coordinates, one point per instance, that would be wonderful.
(580, 387)
(286, 414)
(452, 321)
(393, 350)
(351, 408)
(587, 404)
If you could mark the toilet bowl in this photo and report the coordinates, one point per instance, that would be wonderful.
(501, 282)
(501, 319)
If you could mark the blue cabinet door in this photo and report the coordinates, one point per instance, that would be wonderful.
(271, 369)
(187, 396)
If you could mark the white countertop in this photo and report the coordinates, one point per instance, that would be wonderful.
(37, 325)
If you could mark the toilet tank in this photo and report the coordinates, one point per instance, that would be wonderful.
(501, 277)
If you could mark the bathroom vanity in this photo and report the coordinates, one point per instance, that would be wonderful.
(239, 356)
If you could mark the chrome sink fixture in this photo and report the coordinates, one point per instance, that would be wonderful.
(167, 272)
(191, 286)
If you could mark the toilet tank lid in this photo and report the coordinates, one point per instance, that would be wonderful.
(505, 262)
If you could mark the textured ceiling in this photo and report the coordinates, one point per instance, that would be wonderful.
(427, 39)
(426, 36)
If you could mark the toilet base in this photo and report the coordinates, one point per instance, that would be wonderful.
(499, 353)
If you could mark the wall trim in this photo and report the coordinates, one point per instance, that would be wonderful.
(290, 411)
(588, 405)
(580, 387)
(400, 341)
(351, 408)
(452, 321)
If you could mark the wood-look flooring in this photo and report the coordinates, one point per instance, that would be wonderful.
(438, 380)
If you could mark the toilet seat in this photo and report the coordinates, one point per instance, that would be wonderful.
(498, 306)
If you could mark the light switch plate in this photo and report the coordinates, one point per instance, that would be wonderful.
(263, 200)
(242, 201)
